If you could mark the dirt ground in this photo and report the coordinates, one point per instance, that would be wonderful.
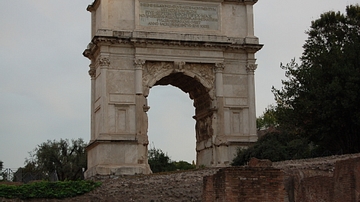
(172, 186)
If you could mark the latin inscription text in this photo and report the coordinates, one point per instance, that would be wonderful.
(178, 15)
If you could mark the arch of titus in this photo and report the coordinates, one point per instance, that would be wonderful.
(204, 47)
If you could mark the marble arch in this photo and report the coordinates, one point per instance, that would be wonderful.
(204, 47)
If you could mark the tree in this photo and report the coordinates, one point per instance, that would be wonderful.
(31, 172)
(159, 161)
(320, 98)
(267, 119)
(183, 165)
(1, 172)
(66, 159)
(275, 146)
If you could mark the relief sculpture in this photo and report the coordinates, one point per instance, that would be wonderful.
(203, 129)
(151, 71)
(204, 71)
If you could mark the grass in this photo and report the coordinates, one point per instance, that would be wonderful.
(45, 189)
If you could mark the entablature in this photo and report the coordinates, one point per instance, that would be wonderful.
(171, 39)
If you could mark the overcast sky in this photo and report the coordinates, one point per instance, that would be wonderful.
(45, 87)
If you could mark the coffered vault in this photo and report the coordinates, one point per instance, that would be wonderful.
(206, 48)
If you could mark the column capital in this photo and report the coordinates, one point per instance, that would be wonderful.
(219, 67)
(92, 70)
(139, 63)
(219, 84)
(251, 68)
(104, 61)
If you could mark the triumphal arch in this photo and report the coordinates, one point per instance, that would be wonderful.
(206, 48)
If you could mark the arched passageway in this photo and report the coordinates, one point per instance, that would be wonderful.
(201, 101)
(171, 126)
(190, 85)
(188, 79)
(199, 94)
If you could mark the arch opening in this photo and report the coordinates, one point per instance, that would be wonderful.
(187, 84)
(201, 102)
(171, 127)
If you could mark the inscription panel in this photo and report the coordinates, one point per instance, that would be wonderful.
(177, 15)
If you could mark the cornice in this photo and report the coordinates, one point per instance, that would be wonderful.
(93, 6)
(96, 3)
(128, 39)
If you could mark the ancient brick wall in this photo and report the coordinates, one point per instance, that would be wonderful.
(313, 189)
(357, 181)
(321, 181)
(342, 186)
(251, 184)
(208, 188)
(344, 180)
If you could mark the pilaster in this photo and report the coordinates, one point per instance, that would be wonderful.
(250, 68)
(141, 104)
(92, 73)
(104, 63)
(139, 63)
(219, 84)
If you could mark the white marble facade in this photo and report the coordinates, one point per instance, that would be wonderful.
(204, 47)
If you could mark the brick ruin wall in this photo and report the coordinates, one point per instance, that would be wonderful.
(244, 184)
(331, 179)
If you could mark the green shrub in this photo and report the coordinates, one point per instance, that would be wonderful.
(183, 165)
(44, 189)
(275, 146)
